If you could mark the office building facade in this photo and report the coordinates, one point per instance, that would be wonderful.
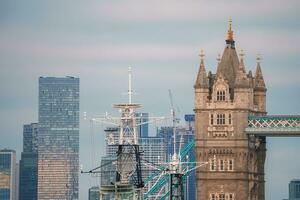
(94, 193)
(7, 174)
(294, 189)
(28, 163)
(58, 138)
(143, 127)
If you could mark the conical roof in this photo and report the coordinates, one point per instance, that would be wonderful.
(259, 82)
(241, 79)
(229, 65)
(202, 80)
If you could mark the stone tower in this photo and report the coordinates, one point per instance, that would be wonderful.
(223, 102)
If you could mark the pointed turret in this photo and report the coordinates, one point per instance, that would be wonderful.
(202, 80)
(229, 63)
(251, 79)
(259, 83)
(242, 65)
(259, 89)
(241, 79)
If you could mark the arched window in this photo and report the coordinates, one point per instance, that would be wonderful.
(220, 119)
(221, 95)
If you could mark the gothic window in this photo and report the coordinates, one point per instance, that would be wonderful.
(230, 165)
(222, 196)
(221, 95)
(220, 119)
(211, 119)
(212, 163)
(229, 119)
(213, 197)
(221, 165)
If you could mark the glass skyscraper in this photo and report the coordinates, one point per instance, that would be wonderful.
(94, 193)
(142, 119)
(7, 174)
(28, 163)
(58, 138)
(294, 189)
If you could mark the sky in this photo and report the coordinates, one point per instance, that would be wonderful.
(160, 39)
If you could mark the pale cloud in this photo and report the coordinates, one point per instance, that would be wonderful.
(192, 10)
(262, 41)
(270, 42)
(106, 51)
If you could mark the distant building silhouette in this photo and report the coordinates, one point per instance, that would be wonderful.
(8, 174)
(294, 189)
(28, 163)
(58, 138)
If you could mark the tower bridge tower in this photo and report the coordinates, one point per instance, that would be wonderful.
(223, 102)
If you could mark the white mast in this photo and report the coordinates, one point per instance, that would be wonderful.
(129, 86)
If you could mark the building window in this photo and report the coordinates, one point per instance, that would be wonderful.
(221, 165)
(230, 196)
(220, 119)
(230, 165)
(213, 197)
(211, 119)
(212, 163)
(229, 119)
(221, 95)
(221, 196)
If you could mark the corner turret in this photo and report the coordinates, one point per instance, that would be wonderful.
(259, 89)
(202, 80)
(202, 85)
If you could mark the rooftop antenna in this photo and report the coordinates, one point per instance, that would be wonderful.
(174, 157)
(130, 92)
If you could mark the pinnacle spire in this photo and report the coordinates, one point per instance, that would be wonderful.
(202, 80)
(230, 32)
(242, 65)
(241, 79)
(259, 82)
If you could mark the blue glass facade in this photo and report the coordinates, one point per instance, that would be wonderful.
(294, 190)
(94, 193)
(143, 128)
(58, 138)
(28, 163)
(7, 174)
